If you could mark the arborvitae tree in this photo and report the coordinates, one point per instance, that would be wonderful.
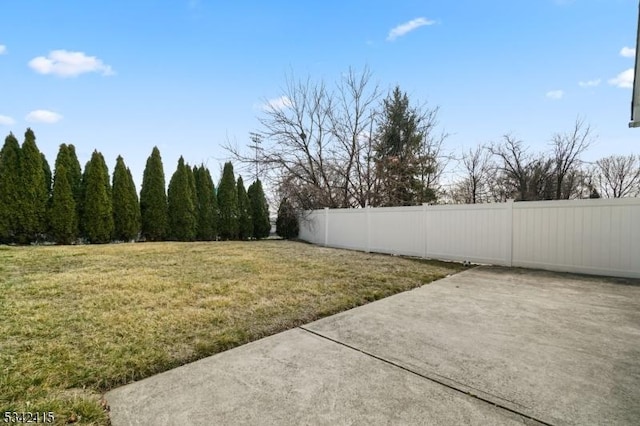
(75, 173)
(63, 220)
(10, 188)
(126, 210)
(287, 223)
(48, 177)
(68, 162)
(133, 194)
(206, 205)
(182, 210)
(245, 221)
(259, 210)
(62, 159)
(32, 218)
(192, 189)
(98, 213)
(48, 182)
(153, 199)
(228, 204)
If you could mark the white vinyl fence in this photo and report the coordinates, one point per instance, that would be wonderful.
(595, 236)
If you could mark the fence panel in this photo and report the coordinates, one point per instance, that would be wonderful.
(312, 226)
(600, 236)
(397, 230)
(348, 229)
(477, 233)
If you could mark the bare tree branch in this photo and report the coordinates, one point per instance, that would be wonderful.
(567, 149)
(618, 176)
(479, 171)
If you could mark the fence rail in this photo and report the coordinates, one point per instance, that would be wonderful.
(595, 236)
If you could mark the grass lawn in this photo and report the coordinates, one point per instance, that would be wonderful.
(76, 321)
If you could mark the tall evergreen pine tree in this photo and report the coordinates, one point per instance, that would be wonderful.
(126, 210)
(33, 199)
(75, 174)
(206, 205)
(192, 194)
(9, 189)
(98, 213)
(62, 159)
(80, 207)
(48, 186)
(63, 220)
(228, 204)
(398, 153)
(182, 211)
(48, 176)
(153, 199)
(69, 164)
(259, 210)
(245, 221)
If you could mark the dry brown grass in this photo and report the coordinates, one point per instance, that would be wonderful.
(76, 321)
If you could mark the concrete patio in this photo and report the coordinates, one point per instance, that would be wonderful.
(490, 345)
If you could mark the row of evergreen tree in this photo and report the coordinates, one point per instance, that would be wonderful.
(73, 205)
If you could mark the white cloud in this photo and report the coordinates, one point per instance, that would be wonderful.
(278, 103)
(65, 63)
(623, 80)
(3, 49)
(6, 121)
(628, 52)
(590, 83)
(555, 94)
(43, 116)
(407, 27)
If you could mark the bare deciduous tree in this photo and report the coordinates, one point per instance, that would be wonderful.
(432, 161)
(617, 176)
(353, 117)
(318, 147)
(567, 148)
(513, 168)
(524, 176)
(479, 170)
(296, 145)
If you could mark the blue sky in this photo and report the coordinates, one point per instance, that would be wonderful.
(185, 75)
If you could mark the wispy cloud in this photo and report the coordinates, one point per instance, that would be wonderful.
(555, 94)
(623, 80)
(590, 83)
(277, 103)
(64, 63)
(3, 49)
(6, 120)
(628, 52)
(43, 116)
(407, 27)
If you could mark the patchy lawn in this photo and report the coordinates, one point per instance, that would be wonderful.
(76, 321)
